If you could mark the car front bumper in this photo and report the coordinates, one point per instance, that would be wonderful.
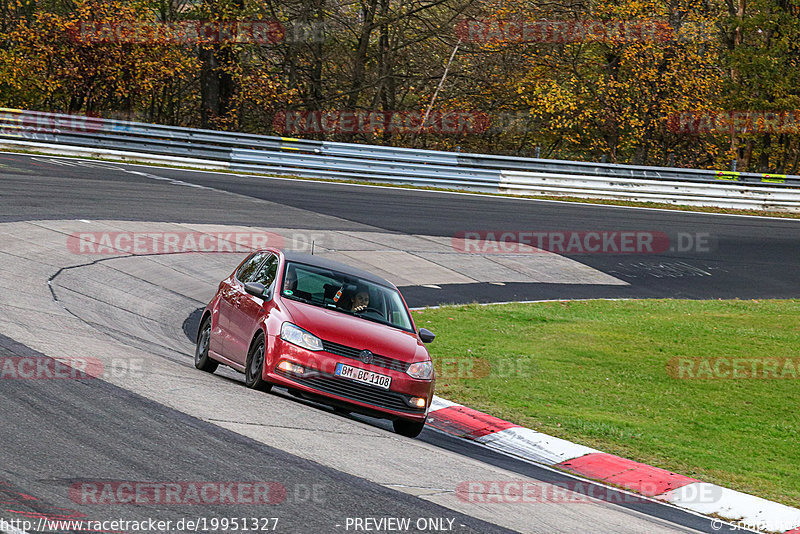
(319, 380)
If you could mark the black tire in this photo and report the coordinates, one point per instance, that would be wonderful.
(409, 429)
(255, 366)
(201, 359)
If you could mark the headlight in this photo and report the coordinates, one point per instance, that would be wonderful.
(421, 370)
(297, 336)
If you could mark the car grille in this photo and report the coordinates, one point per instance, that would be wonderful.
(354, 391)
(377, 359)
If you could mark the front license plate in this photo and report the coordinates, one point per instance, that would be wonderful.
(363, 376)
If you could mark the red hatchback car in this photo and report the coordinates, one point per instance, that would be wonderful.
(324, 330)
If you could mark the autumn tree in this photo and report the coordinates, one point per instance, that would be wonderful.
(77, 62)
(593, 79)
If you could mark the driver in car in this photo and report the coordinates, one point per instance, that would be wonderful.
(359, 300)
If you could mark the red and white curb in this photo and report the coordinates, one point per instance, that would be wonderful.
(679, 490)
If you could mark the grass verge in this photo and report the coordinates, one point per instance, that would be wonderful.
(607, 374)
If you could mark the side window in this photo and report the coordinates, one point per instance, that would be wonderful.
(266, 273)
(249, 267)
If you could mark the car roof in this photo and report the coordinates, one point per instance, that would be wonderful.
(325, 263)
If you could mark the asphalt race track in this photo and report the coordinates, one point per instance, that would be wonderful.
(745, 257)
(150, 417)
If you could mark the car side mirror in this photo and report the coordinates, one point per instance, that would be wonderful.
(426, 335)
(257, 290)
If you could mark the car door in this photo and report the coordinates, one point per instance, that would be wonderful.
(230, 293)
(249, 309)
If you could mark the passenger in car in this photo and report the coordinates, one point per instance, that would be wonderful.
(290, 281)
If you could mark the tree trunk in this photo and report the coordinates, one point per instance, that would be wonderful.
(217, 85)
(360, 60)
(763, 159)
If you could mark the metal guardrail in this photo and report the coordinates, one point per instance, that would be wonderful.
(723, 195)
(333, 160)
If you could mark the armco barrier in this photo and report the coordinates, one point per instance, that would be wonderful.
(366, 169)
(722, 195)
(348, 161)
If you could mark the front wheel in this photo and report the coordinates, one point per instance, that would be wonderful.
(409, 429)
(254, 368)
(201, 359)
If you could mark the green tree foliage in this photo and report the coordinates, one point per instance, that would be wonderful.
(762, 63)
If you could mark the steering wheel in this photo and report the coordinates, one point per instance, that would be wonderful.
(373, 311)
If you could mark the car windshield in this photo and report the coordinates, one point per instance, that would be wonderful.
(345, 293)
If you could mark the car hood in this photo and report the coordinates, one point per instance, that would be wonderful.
(357, 333)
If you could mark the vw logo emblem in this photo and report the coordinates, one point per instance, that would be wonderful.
(365, 356)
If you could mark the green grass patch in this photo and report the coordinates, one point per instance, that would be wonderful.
(604, 374)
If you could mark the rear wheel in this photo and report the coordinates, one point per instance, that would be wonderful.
(409, 429)
(254, 368)
(201, 358)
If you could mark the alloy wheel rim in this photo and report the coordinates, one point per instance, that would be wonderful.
(256, 363)
(202, 346)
